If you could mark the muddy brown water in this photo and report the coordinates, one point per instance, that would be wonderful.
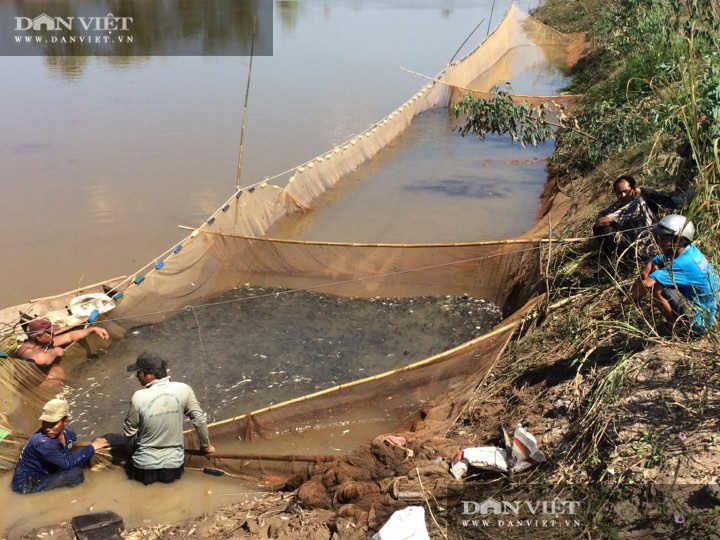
(193, 494)
(257, 347)
(101, 159)
(477, 190)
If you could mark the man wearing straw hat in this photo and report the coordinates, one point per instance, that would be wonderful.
(154, 424)
(46, 462)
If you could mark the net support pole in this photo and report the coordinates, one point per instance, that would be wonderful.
(490, 19)
(245, 108)
(466, 40)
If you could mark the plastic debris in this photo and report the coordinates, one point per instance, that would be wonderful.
(405, 524)
(488, 458)
(400, 442)
(459, 467)
(395, 440)
(525, 454)
(525, 450)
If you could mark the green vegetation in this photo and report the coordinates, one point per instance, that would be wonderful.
(525, 123)
(653, 80)
(650, 80)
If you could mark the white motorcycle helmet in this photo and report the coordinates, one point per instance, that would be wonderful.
(676, 225)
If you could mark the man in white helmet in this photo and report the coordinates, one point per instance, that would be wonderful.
(683, 283)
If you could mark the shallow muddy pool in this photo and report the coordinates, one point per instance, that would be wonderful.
(194, 494)
(106, 490)
(257, 347)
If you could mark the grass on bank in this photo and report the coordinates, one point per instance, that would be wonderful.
(651, 82)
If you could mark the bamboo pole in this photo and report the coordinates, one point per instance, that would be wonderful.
(79, 289)
(466, 39)
(492, 9)
(381, 245)
(245, 107)
(268, 457)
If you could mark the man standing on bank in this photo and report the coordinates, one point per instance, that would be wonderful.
(154, 424)
(46, 462)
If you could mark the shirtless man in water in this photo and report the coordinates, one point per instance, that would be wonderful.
(45, 349)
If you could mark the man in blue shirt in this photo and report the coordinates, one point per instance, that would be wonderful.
(683, 283)
(46, 462)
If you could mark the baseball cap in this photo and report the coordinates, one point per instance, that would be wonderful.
(54, 410)
(148, 361)
(38, 326)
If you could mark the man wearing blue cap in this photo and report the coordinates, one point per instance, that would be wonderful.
(154, 424)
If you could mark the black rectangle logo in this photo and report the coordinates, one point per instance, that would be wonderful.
(131, 28)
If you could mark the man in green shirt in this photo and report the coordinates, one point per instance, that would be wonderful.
(154, 424)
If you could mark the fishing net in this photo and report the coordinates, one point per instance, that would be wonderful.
(229, 250)
(21, 401)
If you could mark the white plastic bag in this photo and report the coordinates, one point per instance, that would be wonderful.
(405, 524)
(489, 458)
(525, 450)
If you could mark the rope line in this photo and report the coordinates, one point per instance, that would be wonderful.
(518, 96)
(563, 34)
(9, 328)
(325, 285)
(202, 350)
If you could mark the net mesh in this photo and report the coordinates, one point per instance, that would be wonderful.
(229, 250)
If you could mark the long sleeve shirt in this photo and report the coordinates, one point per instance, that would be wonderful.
(154, 424)
(43, 456)
(633, 216)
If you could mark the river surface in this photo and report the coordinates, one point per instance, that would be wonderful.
(100, 159)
